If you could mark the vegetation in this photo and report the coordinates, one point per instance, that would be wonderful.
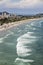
(7, 20)
(19, 18)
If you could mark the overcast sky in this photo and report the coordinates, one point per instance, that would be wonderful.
(22, 6)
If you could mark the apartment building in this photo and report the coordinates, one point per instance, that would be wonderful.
(4, 15)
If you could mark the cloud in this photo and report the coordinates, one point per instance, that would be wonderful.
(21, 3)
(24, 3)
(2, 1)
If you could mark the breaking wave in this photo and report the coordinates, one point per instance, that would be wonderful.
(23, 47)
(24, 43)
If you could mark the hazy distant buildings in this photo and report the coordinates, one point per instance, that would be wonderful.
(4, 15)
(14, 16)
(7, 15)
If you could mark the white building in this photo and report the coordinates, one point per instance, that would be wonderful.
(4, 15)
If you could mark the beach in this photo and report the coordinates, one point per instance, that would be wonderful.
(10, 25)
(21, 43)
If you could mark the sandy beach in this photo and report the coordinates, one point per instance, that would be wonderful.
(9, 25)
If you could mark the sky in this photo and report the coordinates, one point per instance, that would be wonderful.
(24, 7)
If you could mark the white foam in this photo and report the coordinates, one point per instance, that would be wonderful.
(28, 35)
(27, 25)
(34, 28)
(6, 35)
(37, 23)
(26, 39)
(1, 40)
(41, 22)
(24, 60)
(10, 33)
(32, 23)
(30, 32)
(23, 50)
(19, 30)
(24, 54)
(21, 47)
(22, 42)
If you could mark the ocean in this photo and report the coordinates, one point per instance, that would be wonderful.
(23, 44)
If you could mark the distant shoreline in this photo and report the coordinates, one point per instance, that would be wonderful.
(10, 25)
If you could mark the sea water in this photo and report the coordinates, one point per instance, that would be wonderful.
(22, 45)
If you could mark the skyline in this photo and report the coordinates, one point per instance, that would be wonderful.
(25, 7)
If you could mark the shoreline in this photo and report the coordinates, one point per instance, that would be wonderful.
(10, 25)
